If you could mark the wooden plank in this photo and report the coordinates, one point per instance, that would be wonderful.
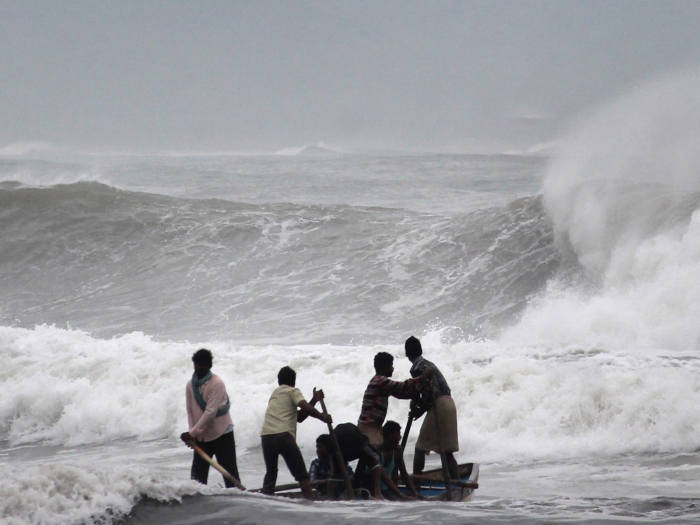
(436, 474)
(292, 486)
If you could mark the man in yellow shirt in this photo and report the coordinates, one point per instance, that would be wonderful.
(285, 408)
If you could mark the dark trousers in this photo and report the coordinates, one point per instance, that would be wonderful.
(224, 449)
(284, 444)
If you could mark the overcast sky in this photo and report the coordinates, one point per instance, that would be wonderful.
(242, 76)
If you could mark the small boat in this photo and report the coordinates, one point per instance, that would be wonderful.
(430, 484)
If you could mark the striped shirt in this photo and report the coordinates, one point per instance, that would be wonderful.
(376, 399)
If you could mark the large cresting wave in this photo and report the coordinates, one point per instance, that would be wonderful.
(624, 196)
(89, 256)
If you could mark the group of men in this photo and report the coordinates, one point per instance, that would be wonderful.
(374, 442)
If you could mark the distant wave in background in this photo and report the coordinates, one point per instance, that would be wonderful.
(112, 261)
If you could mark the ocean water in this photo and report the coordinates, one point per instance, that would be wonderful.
(560, 296)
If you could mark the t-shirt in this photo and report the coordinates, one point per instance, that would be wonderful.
(281, 413)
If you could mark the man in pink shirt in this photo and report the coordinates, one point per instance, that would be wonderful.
(209, 419)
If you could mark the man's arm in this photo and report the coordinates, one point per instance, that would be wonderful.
(185, 436)
(307, 409)
(407, 479)
(391, 485)
(311, 411)
(315, 398)
(188, 404)
(409, 388)
(417, 407)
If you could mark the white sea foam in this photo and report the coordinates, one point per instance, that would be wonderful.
(79, 493)
(65, 387)
(624, 193)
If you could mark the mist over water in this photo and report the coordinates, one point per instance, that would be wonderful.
(559, 299)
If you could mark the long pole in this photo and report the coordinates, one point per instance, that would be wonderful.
(349, 493)
(225, 473)
(290, 486)
(404, 440)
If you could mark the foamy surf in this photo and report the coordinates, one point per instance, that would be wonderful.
(65, 387)
(564, 316)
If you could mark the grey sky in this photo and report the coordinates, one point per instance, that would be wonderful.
(210, 75)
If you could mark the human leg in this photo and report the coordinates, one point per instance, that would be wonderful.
(226, 456)
(452, 466)
(370, 461)
(200, 468)
(295, 463)
(270, 455)
(377, 482)
(418, 461)
(449, 439)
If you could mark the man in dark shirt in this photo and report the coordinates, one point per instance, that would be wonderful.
(439, 429)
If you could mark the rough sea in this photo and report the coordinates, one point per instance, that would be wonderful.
(560, 296)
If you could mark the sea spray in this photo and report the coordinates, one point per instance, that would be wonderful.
(623, 194)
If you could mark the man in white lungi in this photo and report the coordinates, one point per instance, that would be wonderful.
(439, 429)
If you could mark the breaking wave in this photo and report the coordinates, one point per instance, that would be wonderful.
(110, 261)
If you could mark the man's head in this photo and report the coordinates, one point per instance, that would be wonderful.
(203, 361)
(384, 364)
(392, 434)
(323, 446)
(286, 376)
(413, 348)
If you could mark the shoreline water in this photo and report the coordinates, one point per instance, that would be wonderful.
(575, 371)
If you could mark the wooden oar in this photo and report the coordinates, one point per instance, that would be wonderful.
(404, 440)
(349, 492)
(206, 457)
(290, 486)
